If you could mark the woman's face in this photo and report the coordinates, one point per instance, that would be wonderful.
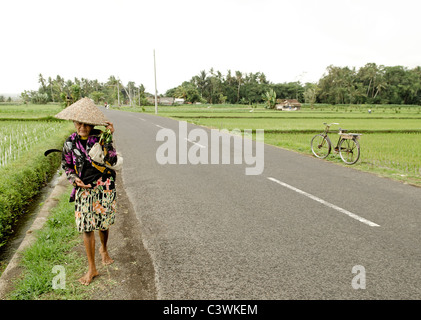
(83, 129)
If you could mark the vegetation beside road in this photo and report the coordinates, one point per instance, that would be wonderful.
(23, 167)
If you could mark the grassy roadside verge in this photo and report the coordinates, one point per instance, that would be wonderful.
(387, 163)
(55, 246)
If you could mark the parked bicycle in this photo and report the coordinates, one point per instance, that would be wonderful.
(347, 145)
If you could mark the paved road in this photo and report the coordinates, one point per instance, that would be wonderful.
(296, 231)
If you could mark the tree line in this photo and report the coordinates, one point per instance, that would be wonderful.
(371, 84)
(234, 87)
(113, 91)
(3, 99)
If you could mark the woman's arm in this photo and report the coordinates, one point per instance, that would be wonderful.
(67, 163)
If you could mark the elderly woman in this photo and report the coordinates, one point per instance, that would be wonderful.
(94, 183)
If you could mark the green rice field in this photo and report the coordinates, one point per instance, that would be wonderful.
(310, 124)
(26, 130)
(23, 138)
(28, 112)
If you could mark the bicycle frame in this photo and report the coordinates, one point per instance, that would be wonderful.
(345, 149)
(326, 132)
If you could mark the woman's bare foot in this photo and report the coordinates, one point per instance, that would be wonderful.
(87, 278)
(106, 260)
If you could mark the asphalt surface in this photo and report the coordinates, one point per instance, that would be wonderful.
(304, 228)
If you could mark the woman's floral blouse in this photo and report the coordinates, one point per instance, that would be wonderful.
(76, 162)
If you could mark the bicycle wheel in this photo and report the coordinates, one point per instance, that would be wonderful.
(349, 150)
(321, 146)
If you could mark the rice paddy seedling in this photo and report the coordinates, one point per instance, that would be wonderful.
(19, 137)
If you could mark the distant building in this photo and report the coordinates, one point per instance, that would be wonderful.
(166, 101)
(287, 104)
(163, 101)
(151, 100)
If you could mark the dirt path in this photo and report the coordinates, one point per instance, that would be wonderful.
(131, 276)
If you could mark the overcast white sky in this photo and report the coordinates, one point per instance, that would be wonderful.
(287, 40)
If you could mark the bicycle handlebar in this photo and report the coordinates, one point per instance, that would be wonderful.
(328, 125)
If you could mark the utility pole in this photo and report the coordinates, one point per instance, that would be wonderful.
(118, 91)
(156, 92)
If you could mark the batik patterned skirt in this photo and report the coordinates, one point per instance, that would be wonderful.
(95, 208)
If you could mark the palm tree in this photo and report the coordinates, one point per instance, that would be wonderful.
(113, 82)
(262, 78)
(50, 85)
(380, 86)
(41, 80)
(201, 82)
(239, 77)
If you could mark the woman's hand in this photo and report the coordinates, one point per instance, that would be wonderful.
(110, 126)
(80, 184)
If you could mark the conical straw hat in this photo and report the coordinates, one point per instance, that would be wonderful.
(85, 111)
